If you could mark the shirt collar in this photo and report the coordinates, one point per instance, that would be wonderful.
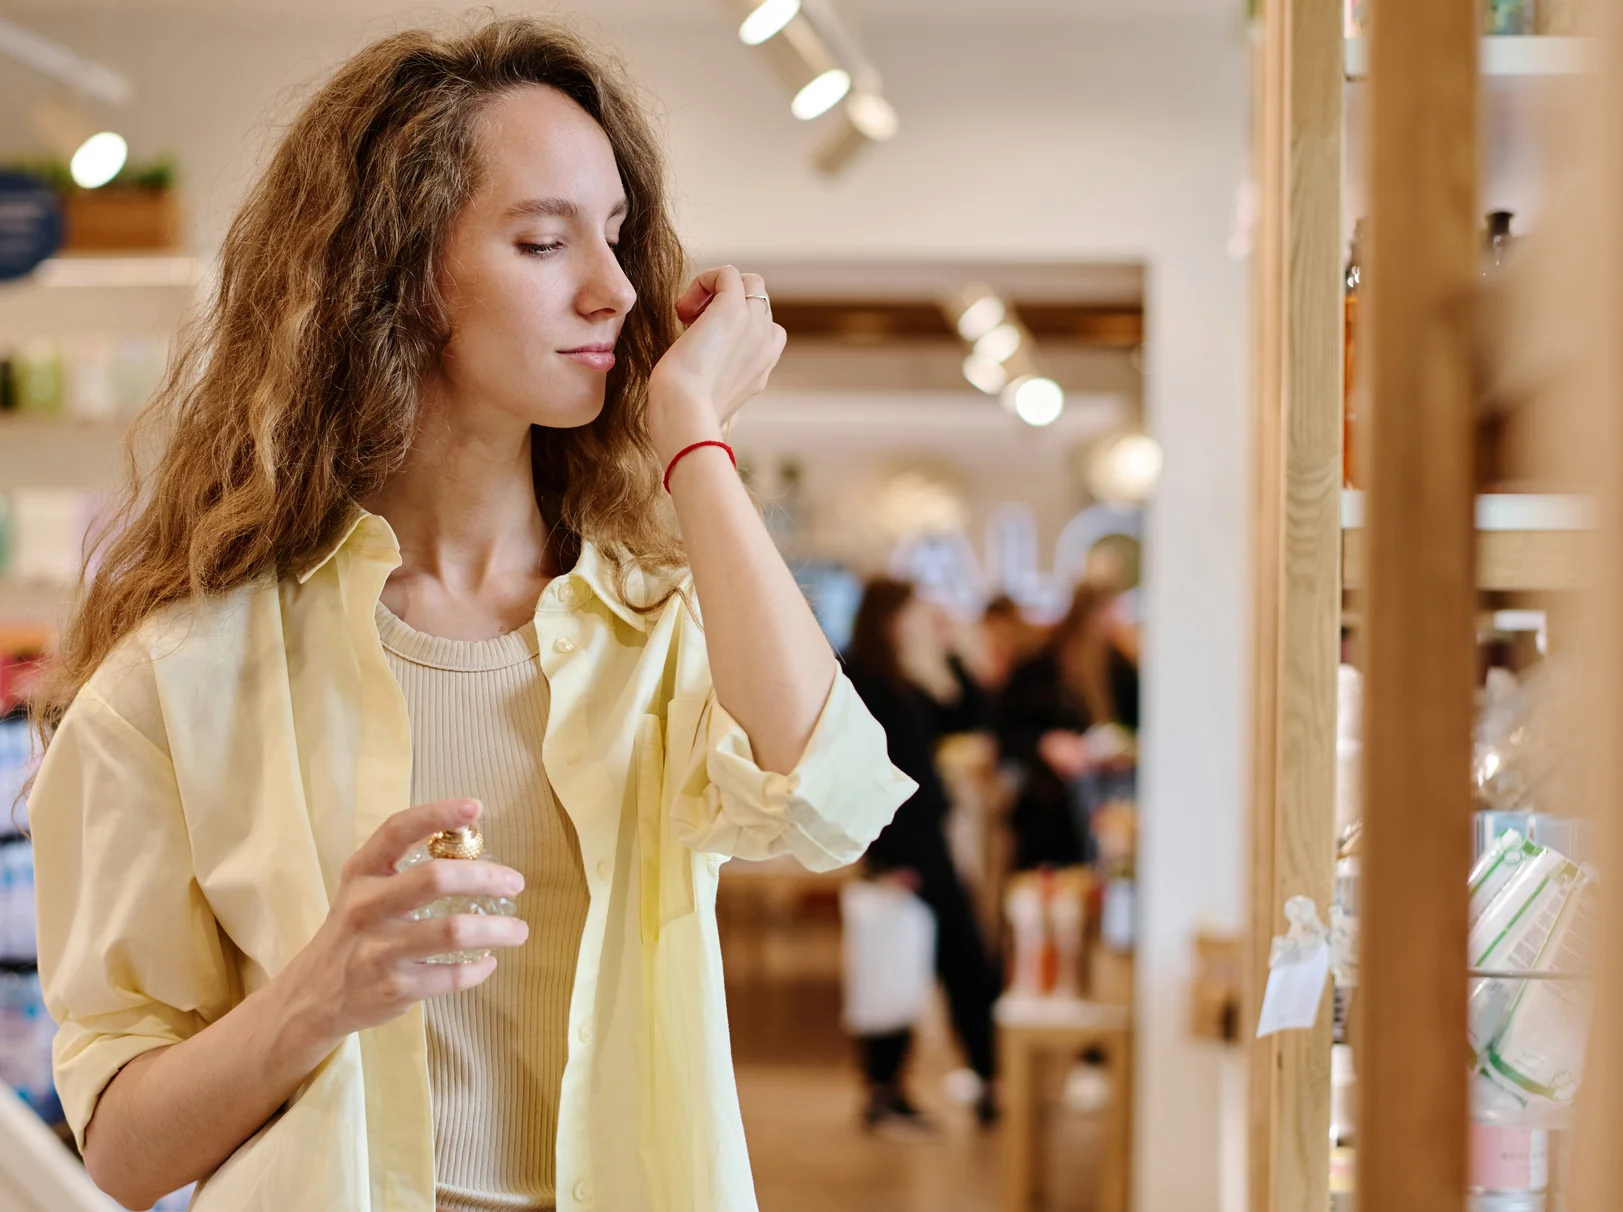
(369, 530)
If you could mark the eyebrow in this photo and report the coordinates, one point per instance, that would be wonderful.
(557, 208)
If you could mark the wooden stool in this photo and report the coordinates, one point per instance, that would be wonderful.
(1032, 1028)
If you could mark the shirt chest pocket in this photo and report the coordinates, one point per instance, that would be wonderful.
(665, 864)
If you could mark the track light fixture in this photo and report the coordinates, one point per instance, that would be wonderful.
(1002, 354)
(811, 52)
(94, 155)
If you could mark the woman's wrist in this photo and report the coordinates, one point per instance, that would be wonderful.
(301, 1027)
(676, 420)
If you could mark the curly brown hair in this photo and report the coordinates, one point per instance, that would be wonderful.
(293, 393)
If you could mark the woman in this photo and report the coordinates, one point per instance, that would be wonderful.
(408, 546)
(899, 664)
(1086, 675)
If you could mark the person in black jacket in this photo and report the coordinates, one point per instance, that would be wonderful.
(898, 661)
(1087, 674)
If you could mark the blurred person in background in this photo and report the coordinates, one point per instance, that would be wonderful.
(902, 662)
(1086, 675)
(1007, 641)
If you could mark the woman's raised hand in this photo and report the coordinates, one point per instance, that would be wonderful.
(720, 362)
(365, 964)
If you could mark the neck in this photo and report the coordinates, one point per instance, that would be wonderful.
(463, 505)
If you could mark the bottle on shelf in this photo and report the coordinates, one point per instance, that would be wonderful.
(461, 844)
(1507, 17)
(1497, 243)
(1343, 1130)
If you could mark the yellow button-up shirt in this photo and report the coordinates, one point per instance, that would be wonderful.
(203, 790)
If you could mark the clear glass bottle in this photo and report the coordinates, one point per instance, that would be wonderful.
(462, 844)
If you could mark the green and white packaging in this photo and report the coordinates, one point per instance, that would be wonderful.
(1539, 1054)
(1512, 934)
(1495, 868)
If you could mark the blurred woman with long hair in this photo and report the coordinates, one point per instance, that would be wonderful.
(410, 560)
(900, 664)
(1086, 675)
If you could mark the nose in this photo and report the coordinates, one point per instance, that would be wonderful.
(606, 291)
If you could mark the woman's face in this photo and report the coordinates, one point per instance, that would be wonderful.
(529, 271)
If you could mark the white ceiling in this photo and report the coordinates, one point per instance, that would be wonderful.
(859, 12)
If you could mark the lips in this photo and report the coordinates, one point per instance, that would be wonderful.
(595, 357)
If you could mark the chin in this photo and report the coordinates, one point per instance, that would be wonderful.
(570, 416)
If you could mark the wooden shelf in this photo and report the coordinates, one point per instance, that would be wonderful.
(31, 606)
(131, 269)
(1525, 541)
(61, 452)
(1499, 511)
(70, 296)
(1503, 57)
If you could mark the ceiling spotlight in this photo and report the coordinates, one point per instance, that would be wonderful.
(98, 160)
(1034, 399)
(984, 374)
(981, 316)
(766, 20)
(998, 344)
(873, 116)
(866, 118)
(1124, 468)
(95, 156)
(822, 94)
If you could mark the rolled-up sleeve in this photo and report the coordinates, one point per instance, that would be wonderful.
(824, 812)
(130, 955)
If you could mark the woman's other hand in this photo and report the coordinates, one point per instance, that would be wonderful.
(365, 964)
(721, 361)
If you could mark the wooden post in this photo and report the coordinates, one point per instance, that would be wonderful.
(1297, 585)
(1420, 656)
(1598, 1168)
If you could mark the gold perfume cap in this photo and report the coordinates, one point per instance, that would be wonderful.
(465, 842)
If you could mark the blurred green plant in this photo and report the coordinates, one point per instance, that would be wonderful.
(156, 175)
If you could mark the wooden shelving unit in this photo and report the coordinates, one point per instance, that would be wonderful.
(1505, 57)
(66, 298)
(1524, 543)
(1420, 549)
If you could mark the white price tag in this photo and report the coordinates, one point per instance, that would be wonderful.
(1295, 989)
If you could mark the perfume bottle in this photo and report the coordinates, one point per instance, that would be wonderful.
(463, 843)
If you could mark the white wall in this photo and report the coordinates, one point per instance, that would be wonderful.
(1018, 141)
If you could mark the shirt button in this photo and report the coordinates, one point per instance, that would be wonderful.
(585, 1033)
(583, 1192)
(603, 869)
(564, 644)
(566, 594)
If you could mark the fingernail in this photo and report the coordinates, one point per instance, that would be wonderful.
(468, 809)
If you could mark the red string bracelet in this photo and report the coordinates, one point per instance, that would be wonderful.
(687, 450)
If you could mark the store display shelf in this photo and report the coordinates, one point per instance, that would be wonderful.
(26, 426)
(61, 452)
(1499, 511)
(32, 605)
(1507, 56)
(69, 296)
(1525, 541)
(130, 269)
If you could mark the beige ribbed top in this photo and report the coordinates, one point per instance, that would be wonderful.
(496, 1052)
